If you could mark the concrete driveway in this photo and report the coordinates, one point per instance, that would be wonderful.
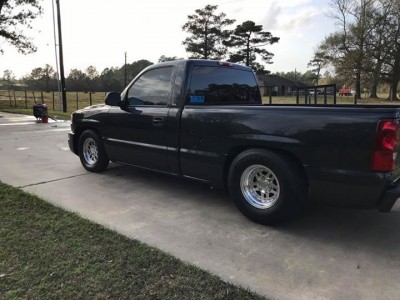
(325, 254)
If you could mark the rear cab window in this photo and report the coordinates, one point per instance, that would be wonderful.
(222, 85)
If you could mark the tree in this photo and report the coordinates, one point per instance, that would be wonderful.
(347, 49)
(308, 77)
(377, 45)
(391, 61)
(207, 33)
(76, 81)
(8, 80)
(164, 58)
(111, 80)
(367, 49)
(294, 76)
(316, 64)
(249, 39)
(135, 68)
(16, 15)
(319, 61)
(42, 79)
(91, 72)
(92, 78)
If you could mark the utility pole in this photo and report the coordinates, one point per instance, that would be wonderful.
(55, 52)
(60, 46)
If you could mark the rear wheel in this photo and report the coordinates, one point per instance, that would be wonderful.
(266, 187)
(91, 152)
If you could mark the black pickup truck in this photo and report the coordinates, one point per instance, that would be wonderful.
(205, 120)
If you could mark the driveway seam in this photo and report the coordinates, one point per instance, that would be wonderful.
(49, 181)
(64, 178)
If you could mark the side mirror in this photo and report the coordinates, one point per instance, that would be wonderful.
(113, 99)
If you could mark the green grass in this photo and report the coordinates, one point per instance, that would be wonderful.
(48, 253)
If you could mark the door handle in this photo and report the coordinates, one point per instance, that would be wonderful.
(158, 121)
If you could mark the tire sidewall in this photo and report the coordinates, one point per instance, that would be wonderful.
(287, 203)
(102, 160)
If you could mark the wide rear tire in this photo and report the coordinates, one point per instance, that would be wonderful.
(267, 187)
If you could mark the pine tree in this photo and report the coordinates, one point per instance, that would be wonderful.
(207, 33)
(249, 39)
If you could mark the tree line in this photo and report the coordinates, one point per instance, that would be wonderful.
(88, 80)
(110, 79)
(365, 49)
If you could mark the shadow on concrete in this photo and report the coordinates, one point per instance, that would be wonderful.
(366, 230)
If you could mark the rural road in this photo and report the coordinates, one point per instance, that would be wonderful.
(326, 254)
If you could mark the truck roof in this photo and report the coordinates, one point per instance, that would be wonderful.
(205, 62)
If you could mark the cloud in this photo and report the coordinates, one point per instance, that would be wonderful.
(289, 15)
(271, 19)
(299, 20)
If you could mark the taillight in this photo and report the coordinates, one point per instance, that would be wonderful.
(385, 148)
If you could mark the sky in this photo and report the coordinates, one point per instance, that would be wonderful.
(99, 32)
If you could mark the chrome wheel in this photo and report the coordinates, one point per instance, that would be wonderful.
(260, 186)
(90, 151)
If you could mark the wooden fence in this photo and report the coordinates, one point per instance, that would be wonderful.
(26, 99)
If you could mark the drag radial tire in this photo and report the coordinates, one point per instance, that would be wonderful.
(91, 152)
(267, 187)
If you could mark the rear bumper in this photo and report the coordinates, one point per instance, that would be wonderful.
(354, 189)
(389, 199)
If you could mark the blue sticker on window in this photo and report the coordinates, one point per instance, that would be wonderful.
(196, 99)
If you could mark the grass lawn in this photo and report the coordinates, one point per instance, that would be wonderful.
(48, 253)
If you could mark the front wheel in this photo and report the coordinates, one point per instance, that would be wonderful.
(266, 187)
(91, 152)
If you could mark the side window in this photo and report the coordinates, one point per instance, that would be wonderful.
(152, 88)
(223, 85)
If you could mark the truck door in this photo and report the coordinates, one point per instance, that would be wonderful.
(136, 133)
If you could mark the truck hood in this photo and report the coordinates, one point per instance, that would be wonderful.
(94, 112)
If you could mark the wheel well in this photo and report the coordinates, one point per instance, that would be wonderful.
(233, 153)
(77, 134)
